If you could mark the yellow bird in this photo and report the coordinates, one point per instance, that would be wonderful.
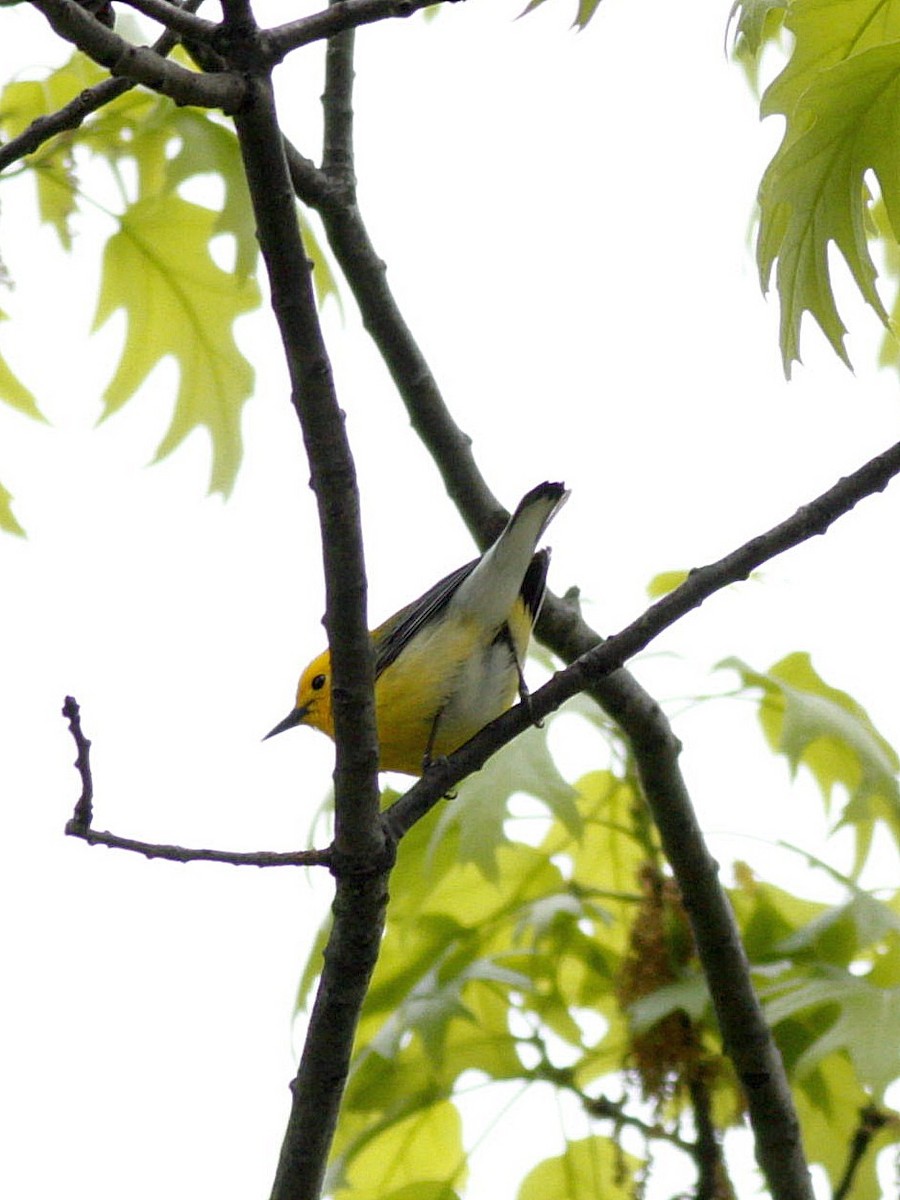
(450, 662)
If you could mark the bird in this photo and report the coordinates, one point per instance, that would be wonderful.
(452, 661)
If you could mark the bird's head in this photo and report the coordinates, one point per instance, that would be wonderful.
(313, 705)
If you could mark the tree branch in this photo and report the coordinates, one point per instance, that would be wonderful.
(73, 114)
(871, 1121)
(362, 856)
(337, 111)
(140, 64)
(80, 824)
(177, 18)
(186, 854)
(340, 15)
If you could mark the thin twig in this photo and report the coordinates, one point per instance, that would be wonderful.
(185, 854)
(602, 1107)
(344, 14)
(80, 824)
(84, 808)
(177, 18)
(871, 1121)
(712, 1175)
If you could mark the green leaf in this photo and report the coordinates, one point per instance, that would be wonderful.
(480, 810)
(755, 23)
(867, 1026)
(25, 101)
(840, 92)
(14, 392)
(826, 33)
(688, 995)
(424, 1148)
(584, 12)
(665, 582)
(591, 1168)
(8, 521)
(211, 148)
(178, 302)
(830, 734)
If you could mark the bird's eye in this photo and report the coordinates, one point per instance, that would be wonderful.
(318, 682)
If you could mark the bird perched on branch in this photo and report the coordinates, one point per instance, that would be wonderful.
(450, 662)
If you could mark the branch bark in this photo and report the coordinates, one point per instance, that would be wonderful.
(362, 857)
(141, 64)
(339, 16)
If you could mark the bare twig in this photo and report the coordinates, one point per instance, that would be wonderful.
(871, 1121)
(177, 18)
(601, 1107)
(712, 1176)
(186, 854)
(84, 809)
(80, 824)
(344, 14)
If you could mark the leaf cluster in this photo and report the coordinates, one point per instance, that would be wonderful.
(567, 963)
(161, 261)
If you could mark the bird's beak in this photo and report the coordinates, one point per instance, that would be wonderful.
(294, 717)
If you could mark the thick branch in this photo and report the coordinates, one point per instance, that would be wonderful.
(140, 64)
(362, 857)
(333, 474)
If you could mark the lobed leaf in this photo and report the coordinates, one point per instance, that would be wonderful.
(178, 302)
(829, 733)
(423, 1149)
(862, 1009)
(840, 93)
(481, 809)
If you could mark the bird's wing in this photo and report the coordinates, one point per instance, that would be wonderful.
(395, 634)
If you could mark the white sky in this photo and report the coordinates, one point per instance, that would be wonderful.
(565, 219)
